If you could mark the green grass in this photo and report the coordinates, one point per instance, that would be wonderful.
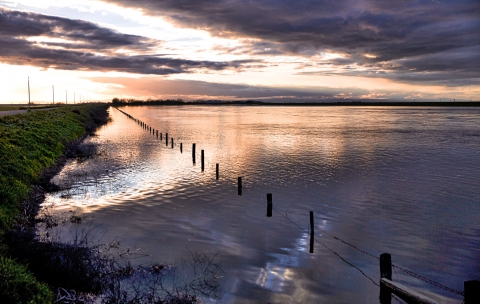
(18, 285)
(30, 143)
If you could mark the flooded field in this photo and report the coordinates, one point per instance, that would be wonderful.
(398, 180)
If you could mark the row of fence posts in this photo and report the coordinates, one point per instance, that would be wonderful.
(387, 287)
(156, 133)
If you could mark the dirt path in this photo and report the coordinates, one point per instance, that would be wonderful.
(5, 113)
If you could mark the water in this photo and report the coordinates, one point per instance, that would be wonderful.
(398, 180)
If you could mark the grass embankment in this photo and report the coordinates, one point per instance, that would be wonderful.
(29, 144)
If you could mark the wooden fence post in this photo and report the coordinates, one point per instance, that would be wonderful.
(216, 169)
(472, 292)
(269, 205)
(385, 294)
(386, 266)
(181, 147)
(239, 185)
(193, 152)
(312, 232)
(166, 139)
(172, 143)
(203, 161)
(312, 226)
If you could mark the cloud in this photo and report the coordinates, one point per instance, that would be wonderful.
(159, 87)
(458, 67)
(33, 39)
(372, 33)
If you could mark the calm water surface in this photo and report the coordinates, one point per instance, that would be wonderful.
(397, 180)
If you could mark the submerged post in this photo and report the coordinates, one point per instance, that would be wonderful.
(166, 139)
(203, 161)
(385, 272)
(386, 266)
(172, 143)
(239, 185)
(311, 223)
(385, 294)
(472, 291)
(193, 152)
(181, 147)
(269, 205)
(216, 169)
(312, 232)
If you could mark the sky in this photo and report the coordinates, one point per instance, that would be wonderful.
(269, 50)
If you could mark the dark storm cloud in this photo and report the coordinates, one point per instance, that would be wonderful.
(391, 30)
(17, 24)
(87, 46)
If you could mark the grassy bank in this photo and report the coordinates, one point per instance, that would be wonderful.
(29, 144)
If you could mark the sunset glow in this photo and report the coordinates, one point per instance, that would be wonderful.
(235, 50)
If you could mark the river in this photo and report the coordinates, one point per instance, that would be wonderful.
(401, 180)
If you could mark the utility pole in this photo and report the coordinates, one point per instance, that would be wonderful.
(73, 97)
(53, 94)
(66, 96)
(28, 91)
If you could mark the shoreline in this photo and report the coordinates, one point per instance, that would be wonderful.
(36, 146)
(308, 104)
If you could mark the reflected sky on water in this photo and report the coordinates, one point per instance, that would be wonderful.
(397, 180)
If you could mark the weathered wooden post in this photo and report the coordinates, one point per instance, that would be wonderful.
(269, 205)
(312, 226)
(239, 185)
(193, 152)
(312, 232)
(385, 272)
(216, 169)
(386, 266)
(203, 161)
(172, 143)
(166, 139)
(181, 147)
(472, 292)
(385, 294)
(161, 136)
(157, 133)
